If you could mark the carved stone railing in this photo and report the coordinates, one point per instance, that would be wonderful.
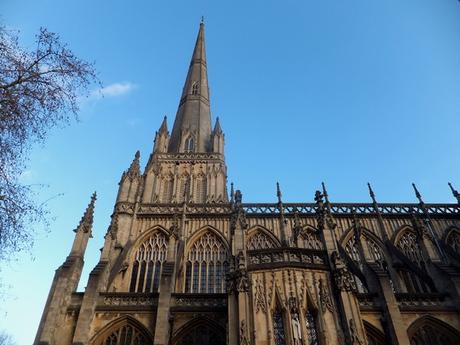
(286, 257)
(367, 301)
(308, 209)
(420, 300)
(185, 301)
(117, 300)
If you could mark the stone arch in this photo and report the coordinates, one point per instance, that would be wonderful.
(259, 237)
(428, 330)
(125, 330)
(123, 263)
(279, 318)
(147, 256)
(206, 262)
(309, 238)
(373, 334)
(201, 231)
(451, 239)
(200, 331)
(400, 232)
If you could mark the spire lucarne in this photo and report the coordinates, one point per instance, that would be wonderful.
(192, 126)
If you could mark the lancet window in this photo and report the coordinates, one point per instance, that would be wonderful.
(148, 263)
(311, 325)
(201, 189)
(206, 266)
(184, 188)
(259, 241)
(125, 335)
(189, 144)
(168, 184)
(196, 88)
(278, 327)
(453, 240)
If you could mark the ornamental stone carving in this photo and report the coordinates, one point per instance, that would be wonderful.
(343, 278)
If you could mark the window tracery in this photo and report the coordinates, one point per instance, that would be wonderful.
(206, 265)
(408, 244)
(278, 327)
(311, 325)
(125, 335)
(310, 240)
(431, 334)
(352, 250)
(148, 263)
(259, 240)
(453, 240)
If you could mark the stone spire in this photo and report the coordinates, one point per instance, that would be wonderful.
(86, 221)
(83, 230)
(134, 169)
(192, 126)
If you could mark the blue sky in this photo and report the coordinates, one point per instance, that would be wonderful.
(344, 92)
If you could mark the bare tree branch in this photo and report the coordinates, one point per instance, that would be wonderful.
(39, 90)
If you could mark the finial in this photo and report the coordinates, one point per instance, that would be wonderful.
(417, 193)
(86, 221)
(326, 196)
(278, 192)
(202, 20)
(371, 193)
(455, 193)
(232, 193)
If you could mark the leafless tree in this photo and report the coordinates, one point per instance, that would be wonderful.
(40, 88)
(6, 339)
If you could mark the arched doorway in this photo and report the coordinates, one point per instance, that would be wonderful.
(200, 332)
(430, 331)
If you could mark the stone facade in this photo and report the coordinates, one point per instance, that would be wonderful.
(185, 263)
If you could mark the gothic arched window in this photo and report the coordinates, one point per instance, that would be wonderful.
(196, 88)
(278, 327)
(126, 335)
(206, 265)
(310, 240)
(453, 240)
(375, 251)
(189, 144)
(352, 250)
(311, 325)
(148, 263)
(408, 244)
(123, 332)
(201, 189)
(259, 240)
(431, 331)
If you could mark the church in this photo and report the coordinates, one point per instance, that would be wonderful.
(187, 262)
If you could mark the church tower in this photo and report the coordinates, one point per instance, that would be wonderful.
(183, 263)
